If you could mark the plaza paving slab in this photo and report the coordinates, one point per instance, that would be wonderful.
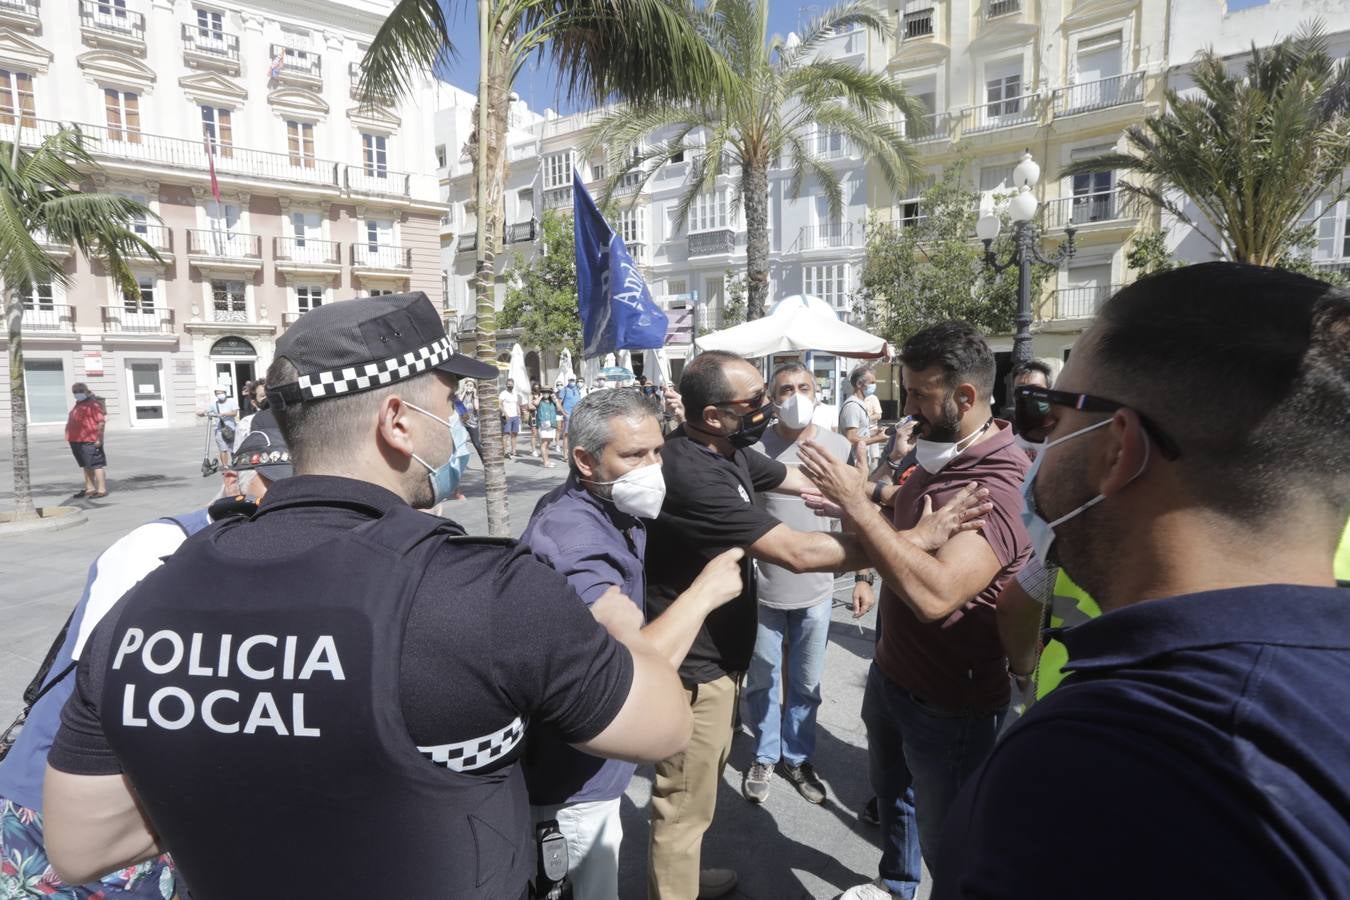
(783, 850)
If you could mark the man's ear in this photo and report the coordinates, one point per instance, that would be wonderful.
(586, 464)
(231, 478)
(395, 425)
(1126, 451)
(965, 396)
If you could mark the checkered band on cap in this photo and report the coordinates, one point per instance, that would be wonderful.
(352, 379)
(476, 753)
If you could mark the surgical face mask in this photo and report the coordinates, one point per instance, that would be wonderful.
(639, 492)
(795, 412)
(1042, 533)
(81, 397)
(870, 389)
(935, 455)
(219, 397)
(444, 479)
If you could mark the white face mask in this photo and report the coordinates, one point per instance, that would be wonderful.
(638, 493)
(795, 412)
(935, 455)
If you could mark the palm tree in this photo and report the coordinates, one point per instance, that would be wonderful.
(40, 196)
(639, 49)
(781, 98)
(1252, 151)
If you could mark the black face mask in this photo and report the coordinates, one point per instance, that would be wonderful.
(753, 425)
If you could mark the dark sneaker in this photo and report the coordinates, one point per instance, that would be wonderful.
(870, 814)
(755, 785)
(804, 779)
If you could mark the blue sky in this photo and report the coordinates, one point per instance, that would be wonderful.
(536, 84)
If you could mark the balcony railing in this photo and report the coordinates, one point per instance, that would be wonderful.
(160, 237)
(1081, 302)
(109, 19)
(138, 320)
(1084, 209)
(381, 256)
(305, 63)
(995, 8)
(1000, 114)
(376, 179)
(209, 42)
(21, 12)
(519, 232)
(831, 234)
(48, 317)
(224, 244)
(831, 147)
(707, 243)
(1099, 94)
(467, 242)
(558, 198)
(930, 127)
(230, 309)
(289, 318)
(1340, 267)
(917, 24)
(306, 250)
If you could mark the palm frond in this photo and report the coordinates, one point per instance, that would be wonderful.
(413, 41)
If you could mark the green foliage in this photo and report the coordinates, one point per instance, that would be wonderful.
(733, 310)
(932, 269)
(1251, 151)
(1148, 254)
(541, 299)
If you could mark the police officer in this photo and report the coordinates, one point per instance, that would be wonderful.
(349, 723)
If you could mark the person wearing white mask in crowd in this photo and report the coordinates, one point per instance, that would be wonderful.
(592, 530)
(855, 422)
(793, 608)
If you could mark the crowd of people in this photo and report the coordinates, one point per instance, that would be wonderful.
(401, 709)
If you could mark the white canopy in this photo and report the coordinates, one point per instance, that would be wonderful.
(517, 371)
(796, 324)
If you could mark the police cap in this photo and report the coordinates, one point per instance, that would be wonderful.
(358, 345)
(263, 449)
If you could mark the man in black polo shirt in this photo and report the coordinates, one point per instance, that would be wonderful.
(1194, 478)
(349, 722)
(711, 482)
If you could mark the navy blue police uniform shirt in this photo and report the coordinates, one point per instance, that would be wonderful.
(1199, 748)
(709, 508)
(475, 656)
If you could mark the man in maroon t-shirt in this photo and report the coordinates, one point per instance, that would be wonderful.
(938, 688)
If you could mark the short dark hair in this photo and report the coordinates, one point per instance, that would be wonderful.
(959, 349)
(1247, 368)
(785, 368)
(856, 376)
(704, 381)
(1032, 365)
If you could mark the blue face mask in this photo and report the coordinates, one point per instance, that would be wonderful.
(869, 390)
(444, 479)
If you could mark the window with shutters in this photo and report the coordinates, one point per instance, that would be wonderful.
(308, 296)
(144, 301)
(710, 212)
(632, 226)
(300, 140)
(218, 131)
(123, 110)
(1003, 88)
(558, 170)
(37, 296)
(375, 154)
(16, 99)
(228, 296)
(829, 283)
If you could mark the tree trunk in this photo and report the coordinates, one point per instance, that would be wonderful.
(757, 240)
(18, 407)
(489, 159)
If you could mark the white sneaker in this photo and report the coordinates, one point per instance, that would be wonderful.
(873, 890)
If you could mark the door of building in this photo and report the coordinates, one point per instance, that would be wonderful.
(44, 382)
(234, 361)
(145, 387)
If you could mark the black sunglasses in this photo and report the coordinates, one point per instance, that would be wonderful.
(1031, 407)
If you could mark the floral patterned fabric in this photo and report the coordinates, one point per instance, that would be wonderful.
(25, 872)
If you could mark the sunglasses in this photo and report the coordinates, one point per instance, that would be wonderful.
(1031, 409)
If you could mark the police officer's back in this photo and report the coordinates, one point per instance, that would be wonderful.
(345, 720)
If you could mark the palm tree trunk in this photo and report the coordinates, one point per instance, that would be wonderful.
(489, 166)
(757, 240)
(18, 407)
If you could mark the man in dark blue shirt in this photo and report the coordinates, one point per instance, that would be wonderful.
(1193, 477)
(591, 530)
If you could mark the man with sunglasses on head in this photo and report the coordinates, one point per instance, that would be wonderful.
(1194, 477)
(712, 479)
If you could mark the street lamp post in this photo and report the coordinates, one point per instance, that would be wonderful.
(1022, 208)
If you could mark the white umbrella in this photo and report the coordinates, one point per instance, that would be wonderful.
(565, 366)
(794, 328)
(590, 368)
(518, 373)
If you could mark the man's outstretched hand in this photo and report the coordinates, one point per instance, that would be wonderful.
(964, 512)
(839, 483)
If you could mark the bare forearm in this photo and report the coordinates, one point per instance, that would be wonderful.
(672, 633)
(917, 577)
(1019, 627)
(822, 551)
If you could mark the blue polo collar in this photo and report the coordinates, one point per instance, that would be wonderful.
(1285, 615)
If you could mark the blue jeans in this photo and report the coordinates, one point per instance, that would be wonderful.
(922, 755)
(787, 734)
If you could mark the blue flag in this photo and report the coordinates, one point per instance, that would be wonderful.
(616, 306)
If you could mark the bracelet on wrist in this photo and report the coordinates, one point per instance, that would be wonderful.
(864, 578)
(877, 488)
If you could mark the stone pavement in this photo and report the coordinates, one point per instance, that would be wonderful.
(783, 850)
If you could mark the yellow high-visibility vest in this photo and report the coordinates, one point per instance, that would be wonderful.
(1342, 564)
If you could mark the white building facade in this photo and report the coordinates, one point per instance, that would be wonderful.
(322, 197)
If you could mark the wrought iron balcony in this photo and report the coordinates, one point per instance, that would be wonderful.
(159, 237)
(107, 24)
(381, 256)
(831, 234)
(298, 66)
(1099, 94)
(995, 8)
(125, 319)
(1085, 209)
(375, 179)
(708, 243)
(231, 309)
(48, 317)
(558, 198)
(23, 13)
(917, 24)
(930, 127)
(520, 232)
(1000, 114)
(225, 245)
(303, 250)
(1081, 302)
(210, 48)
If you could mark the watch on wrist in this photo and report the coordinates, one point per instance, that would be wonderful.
(877, 488)
(869, 578)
